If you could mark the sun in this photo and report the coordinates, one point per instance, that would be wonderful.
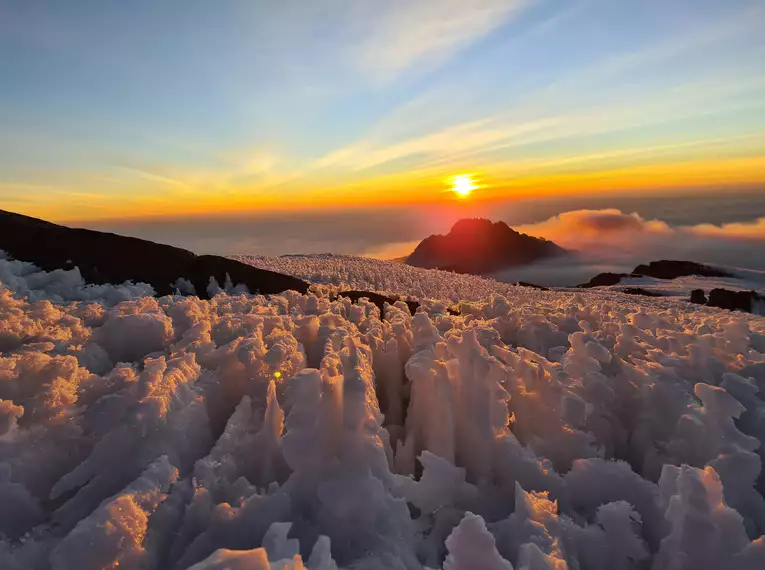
(463, 185)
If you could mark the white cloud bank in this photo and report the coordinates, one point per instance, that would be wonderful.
(611, 240)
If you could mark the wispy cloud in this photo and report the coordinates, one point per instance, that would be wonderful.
(465, 137)
(516, 137)
(425, 33)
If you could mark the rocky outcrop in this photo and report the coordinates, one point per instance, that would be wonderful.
(698, 297)
(746, 301)
(532, 286)
(480, 246)
(734, 300)
(604, 280)
(110, 258)
(663, 269)
(641, 291)
(378, 300)
(671, 269)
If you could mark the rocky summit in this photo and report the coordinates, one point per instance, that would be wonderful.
(479, 246)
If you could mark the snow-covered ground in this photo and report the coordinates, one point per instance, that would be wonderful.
(537, 430)
(349, 272)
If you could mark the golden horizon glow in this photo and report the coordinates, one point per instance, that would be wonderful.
(463, 185)
(427, 186)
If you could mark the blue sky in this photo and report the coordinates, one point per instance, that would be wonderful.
(138, 108)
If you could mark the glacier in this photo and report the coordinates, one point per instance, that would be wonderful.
(533, 430)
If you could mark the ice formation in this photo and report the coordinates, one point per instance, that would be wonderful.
(532, 431)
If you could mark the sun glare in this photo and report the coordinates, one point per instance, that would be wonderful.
(463, 185)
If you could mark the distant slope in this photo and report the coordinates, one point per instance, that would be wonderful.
(110, 258)
(672, 269)
(479, 246)
(666, 269)
(722, 287)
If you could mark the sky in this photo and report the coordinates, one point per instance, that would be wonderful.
(145, 110)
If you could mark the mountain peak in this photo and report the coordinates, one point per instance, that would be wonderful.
(479, 246)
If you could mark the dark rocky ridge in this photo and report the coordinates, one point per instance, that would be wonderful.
(641, 291)
(379, 300)
(110, 258)
(532, 286)
(605, 280)
(671, 269)
(663, 269)
(479, 246)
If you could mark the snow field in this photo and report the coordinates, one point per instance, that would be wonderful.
(536, 430)
(348, 272)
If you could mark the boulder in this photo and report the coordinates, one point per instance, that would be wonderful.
(698, 297)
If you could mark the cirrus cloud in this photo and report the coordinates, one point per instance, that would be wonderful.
(427, 32)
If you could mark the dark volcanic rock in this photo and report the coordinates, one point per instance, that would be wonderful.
(698, 297)
(109, 258)
(664, 269)
(378, 300)
(479, 246)
(604, 280)
(539, 287)
(669, 269)
(641, 291)
(734, 300)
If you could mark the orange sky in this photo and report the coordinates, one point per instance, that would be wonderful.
(294, 109)
(430, 186)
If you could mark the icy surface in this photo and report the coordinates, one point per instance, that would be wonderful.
(534, 430)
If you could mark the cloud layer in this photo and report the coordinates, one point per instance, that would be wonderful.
(612, 235)
(609, 233)
(611, 240)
